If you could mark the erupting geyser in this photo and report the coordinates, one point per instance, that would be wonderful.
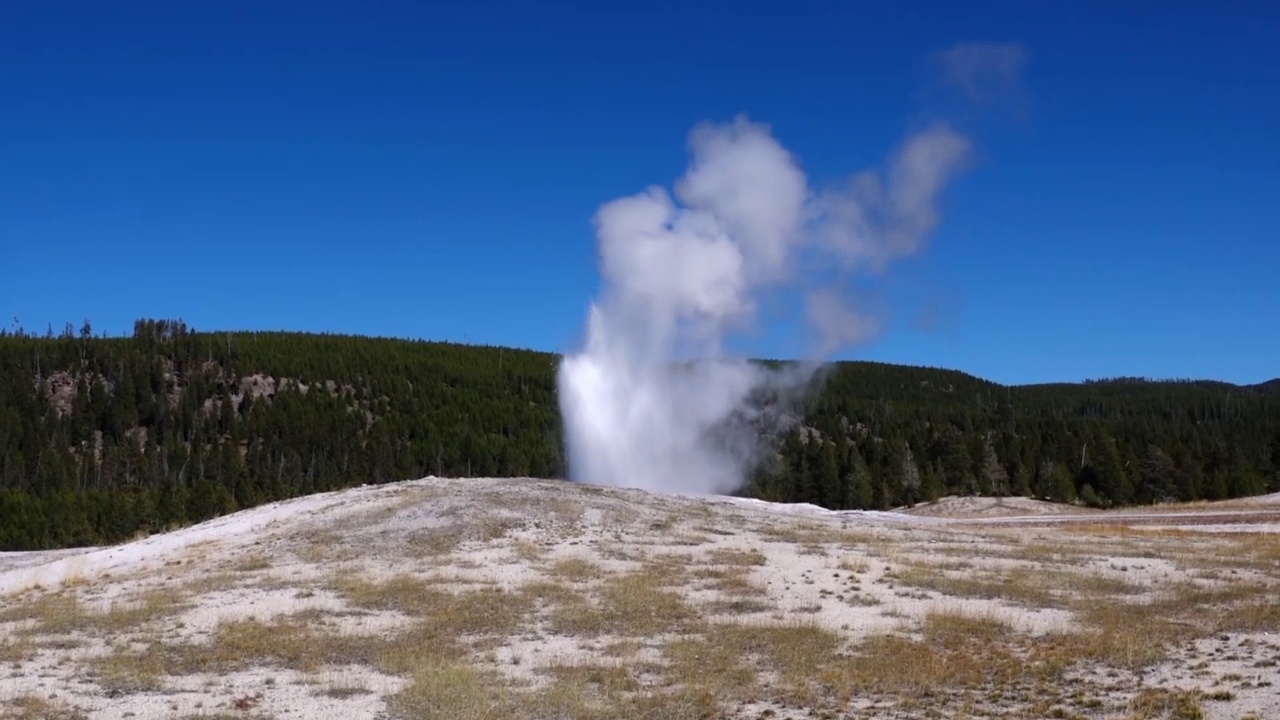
(648, 401)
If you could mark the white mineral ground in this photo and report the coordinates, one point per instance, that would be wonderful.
(282, 559)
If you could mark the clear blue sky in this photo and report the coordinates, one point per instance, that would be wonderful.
(429, 170)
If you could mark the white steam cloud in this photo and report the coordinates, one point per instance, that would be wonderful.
(654, 400)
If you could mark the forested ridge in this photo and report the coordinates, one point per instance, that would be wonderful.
(103, 438)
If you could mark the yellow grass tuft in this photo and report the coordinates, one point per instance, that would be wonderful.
(32, 707)
(631, 605)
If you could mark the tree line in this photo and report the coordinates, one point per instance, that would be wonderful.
(102, 438)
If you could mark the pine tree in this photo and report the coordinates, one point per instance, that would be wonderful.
(911, 477)
(994, 479)
(1113, 478)
(828, 475)
(858, 482)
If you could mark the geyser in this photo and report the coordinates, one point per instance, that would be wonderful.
(653, 399)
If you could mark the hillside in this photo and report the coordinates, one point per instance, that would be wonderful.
(106, 437)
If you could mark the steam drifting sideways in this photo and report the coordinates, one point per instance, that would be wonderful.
(684, 273)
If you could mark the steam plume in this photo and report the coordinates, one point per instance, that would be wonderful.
(653, 400)
(982, 70)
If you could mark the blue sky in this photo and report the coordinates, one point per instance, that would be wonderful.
(430, 170)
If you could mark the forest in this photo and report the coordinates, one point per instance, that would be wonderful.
(106, 438)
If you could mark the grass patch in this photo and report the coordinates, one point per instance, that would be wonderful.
(1094, 584)
(54, 614)
(736, 606)
(953, 651)
(342, 691)
(1135, 635)
(291, 642)
(126, 673)
(436, 542)
(488, 611)
(603, 681)
(632, 605)
(30, 707)
(252, 563)
(1123, 635)
(145, 608)
(800, 534)
(710, 666)
(575, 570)
(64, 614)
(581, 692)
(451, 626)
(1052, 554)
(444, 689)
(732, 581)
(857, 566)
(17, 649)
(627, 648)
(1169, 704)
(738, 558)
(1027, 586)
(1020, 586)
(792, 663)
(528, 551)
(1254, 616)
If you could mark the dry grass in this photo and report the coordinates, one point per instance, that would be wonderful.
(529, 552)
(453, 690)
(730, 581)
(574, 570)
(252, 563)
(49, 614)
(123, 672)
(65, 614)
(631, 605)
(343, 690)
(959, 660)
(1167, 704)
(1038, 552)
(1091, 584)
(143, 610)
(448, 626)
(450, 689)
(436, 542)
(289, 642)
(695, 634)
(739, 558)
(603, 680)
(1134, 635)
(800, 534)
(793, 656)
(446, 539)
(857, 566)
(1022, 585)
(17, 649)
(31, 707)
(325, 546)
(954, 654)
(1019, 586)
(1257, 552)
(688, 659)
(446, 619)
(684, 539)
(737, 606)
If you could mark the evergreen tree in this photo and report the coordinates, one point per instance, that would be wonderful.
(858, 482)
(828, 476)
(994, 478)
